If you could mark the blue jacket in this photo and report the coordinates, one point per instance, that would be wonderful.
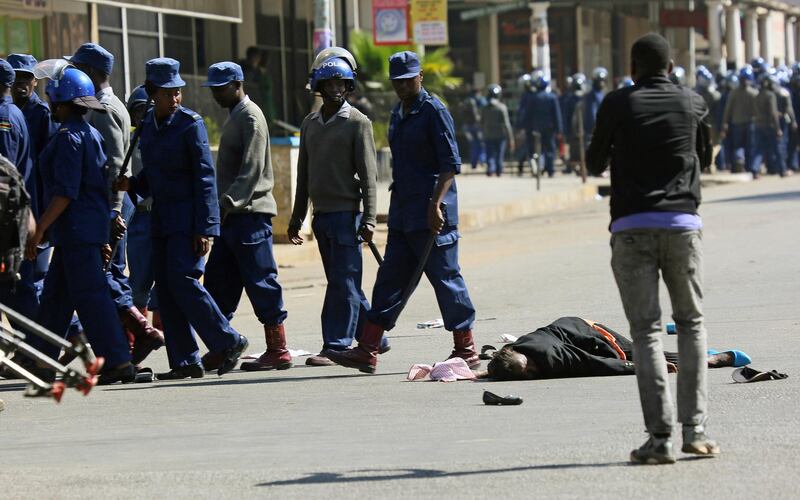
(40, 128)
(178, 173)
(591, 103)
(73, 165)
(569, 102)
(542, 112)
(423, 146)
(14, 139)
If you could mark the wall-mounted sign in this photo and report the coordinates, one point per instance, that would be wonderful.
(390, 21)
(429, 18)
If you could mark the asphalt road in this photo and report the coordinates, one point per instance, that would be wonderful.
(335, 433)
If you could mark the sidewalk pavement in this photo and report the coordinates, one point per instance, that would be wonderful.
(485, 201)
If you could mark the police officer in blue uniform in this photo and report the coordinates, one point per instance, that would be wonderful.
(542, 114)
(75, 222)
(15, 145)
(178, 172)
(591, 102)
(570, 103)
(425, 161)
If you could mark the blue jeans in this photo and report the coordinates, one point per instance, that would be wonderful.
(242, 259)
(638, 257)
(495, 152)
(140, 261)
(403, 251)
(345, 304)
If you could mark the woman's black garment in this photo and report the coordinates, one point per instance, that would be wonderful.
(627, 346)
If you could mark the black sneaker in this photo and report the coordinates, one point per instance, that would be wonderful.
(231, 355)
(182, 372)
(125, 374)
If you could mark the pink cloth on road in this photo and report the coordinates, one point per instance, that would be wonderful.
(446, 371)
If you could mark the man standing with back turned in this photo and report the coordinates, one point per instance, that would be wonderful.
(657, 136)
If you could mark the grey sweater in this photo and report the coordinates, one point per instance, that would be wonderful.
(115, 127)
(244, 168)
(331, 156)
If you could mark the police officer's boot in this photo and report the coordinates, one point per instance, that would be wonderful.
(363, 357)
(146, 338)
(465, 348)
(276, 357)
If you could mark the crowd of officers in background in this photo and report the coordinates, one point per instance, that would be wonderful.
(753, 111)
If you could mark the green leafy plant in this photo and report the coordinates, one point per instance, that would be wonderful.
(373, 65)
(213, 130)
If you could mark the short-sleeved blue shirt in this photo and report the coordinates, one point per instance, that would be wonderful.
(73, 165)
(423, 146)
(178, 172)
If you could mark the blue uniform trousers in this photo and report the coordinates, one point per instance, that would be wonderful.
(345, 306)
(495, 152)
(140, 261)
(740, 145)
(791, 153)
(477, 153)
(783, 147)
(403, 251)
(117, 280)
(547, 149)
(75, 282)
(185, 303)
(766, 150)
(242, 258)
(23, 296)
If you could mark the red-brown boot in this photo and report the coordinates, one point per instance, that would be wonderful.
(363, 357)
(465, 348)
(276, 357)
(146, 338)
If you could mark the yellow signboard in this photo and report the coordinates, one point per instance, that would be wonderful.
(429, 18)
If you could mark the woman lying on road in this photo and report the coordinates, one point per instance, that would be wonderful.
(576, 347)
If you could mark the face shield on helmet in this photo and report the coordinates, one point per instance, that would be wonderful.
(524, 81)
(494, 91)
(334, 68)
(540, 80)
(704, 77)
(578, 81)
(326, 54)
(625, 82)
(599, 73)
(67, 84)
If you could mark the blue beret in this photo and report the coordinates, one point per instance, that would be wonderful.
(163, 72)
(94, 56)
(22, 62)
(404, 65)
(7, 75)
(222, 73)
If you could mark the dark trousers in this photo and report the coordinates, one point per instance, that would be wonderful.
(495, 151)
(140, 261)
(117, 280)
(403, 251)
(345, 306)
(242, 259)
(740, 145)
(75, 282)
(185, 303)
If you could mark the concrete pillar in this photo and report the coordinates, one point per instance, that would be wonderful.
(764, 38)
(494, 49)
(797, 40)
(246, 31)
(715, 35)
(540, 42)
(790, 41)
(733, 35)
(750, 35)
(579, 39)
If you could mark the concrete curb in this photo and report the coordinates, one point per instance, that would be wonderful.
(469, 219)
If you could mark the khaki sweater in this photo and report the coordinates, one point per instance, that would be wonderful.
(244, 168)
(337, 168)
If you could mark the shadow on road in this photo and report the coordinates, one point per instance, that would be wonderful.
(784, 196)
(230, 381)
(372, 475)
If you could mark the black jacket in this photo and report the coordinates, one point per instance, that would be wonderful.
(657, 136)
(569, 347)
